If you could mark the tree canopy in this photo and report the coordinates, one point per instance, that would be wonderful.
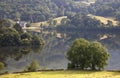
(2, 65)
(39, 10)
(14, 36)
(107, 8)
(34, 66)
(87, 55)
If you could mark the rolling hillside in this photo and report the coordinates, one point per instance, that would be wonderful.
(45, 23)
(104, 20)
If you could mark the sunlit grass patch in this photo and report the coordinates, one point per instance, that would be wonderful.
(104, 20)
(45, 23)
(65, 74)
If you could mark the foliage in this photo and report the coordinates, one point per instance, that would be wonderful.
(17, 52)
(18, 28)
(98, 56)
(26, 36)
(81, 21)
(26, 10)
(85, 21)
(107, 8)
(2, 65)
(34, 66)
(86, 55)
(9, 37)
(15, 36)
(36, 40)
(25, 42)
(39, 10)
(77, 54)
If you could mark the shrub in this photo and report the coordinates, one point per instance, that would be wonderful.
(2, 66)
(34, 66)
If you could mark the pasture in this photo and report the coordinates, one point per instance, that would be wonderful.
(64, 74)
(104, 20)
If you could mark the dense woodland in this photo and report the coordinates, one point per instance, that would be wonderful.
(40, 10)
(15, 36)
(77, 24)
(107, 8)
(77, 19)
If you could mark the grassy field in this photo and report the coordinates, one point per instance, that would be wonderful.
(104, 19)
(44, 23)
(36, 25)
(65, 74)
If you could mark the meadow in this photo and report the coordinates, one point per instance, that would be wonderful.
(65, 74)
(45, 23)
(104, 20)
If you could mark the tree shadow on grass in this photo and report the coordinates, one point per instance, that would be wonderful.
(68, 72)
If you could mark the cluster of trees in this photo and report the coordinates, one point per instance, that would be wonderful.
(82, 25)
(26, 10)
(1, 66)
(82, 55)
(34, 66)
(14, 36)
(39, 10)
(109, 8)
(85, 55)
(84, 21)
(16, 53)
(80, 21)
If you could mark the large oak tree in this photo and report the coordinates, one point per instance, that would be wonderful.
(87, 55)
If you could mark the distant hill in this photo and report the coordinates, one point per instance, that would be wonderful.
(36, 26)
(45, 23)
(40, 10)
(104, 19)
(106, 8)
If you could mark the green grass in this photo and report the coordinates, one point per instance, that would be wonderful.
(65, 74)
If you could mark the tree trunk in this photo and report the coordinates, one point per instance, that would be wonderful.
(93, 67)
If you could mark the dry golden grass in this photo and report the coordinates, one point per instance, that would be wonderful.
(104, 20)
(39, 23)
(44, 23)
(65, 74)
(59, 19)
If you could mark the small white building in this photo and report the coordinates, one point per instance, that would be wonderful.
(23, 24)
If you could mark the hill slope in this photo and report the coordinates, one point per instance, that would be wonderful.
(40, 10)
(104, 20)
(45, 23)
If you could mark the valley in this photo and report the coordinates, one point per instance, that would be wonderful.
(51, 38)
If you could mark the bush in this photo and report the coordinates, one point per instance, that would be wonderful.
(26, 36)
(25, 42)
(34, 66)
(9, 37)
(37, 41)
(2, 66)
